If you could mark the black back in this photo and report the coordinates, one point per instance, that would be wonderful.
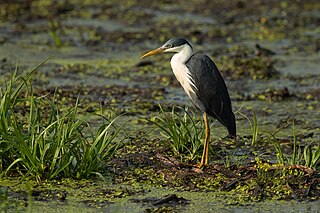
(212, 94)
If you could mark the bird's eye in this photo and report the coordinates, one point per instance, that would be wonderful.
(169, 45)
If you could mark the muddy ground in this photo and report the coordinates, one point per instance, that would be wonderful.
(267, 51)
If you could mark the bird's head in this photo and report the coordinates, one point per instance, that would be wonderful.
(174, 45)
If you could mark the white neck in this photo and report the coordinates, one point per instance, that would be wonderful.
(183, 54)
(180, 70)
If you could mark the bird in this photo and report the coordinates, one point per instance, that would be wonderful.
(263, 51)
(203, 83)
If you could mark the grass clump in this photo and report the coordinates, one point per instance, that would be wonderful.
(38, 138)
(307, 156)
(182, 130)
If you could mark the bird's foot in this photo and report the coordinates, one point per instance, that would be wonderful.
(201, 165)
(235, 138)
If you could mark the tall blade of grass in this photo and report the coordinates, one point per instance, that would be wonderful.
(4, 115)
(312, 158)
(278, 149)
(6, 103)
(254, 127)
(10, 95)
(12, 164)
(307, 153)
(25, 79)
(110, 152)
(53, 32)
(294, 153)
(60, 169)
(316, 157)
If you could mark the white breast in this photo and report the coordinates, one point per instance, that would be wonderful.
(180, 70)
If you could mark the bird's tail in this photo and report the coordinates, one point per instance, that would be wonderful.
(229, 121)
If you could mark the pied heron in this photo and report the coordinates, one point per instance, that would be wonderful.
(203, 83)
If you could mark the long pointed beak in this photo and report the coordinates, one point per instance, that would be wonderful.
(153, 52)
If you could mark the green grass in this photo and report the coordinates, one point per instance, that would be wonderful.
(183, 130)
(42, 139)
(53, 32)
(185, 133)
(312, 156)
(307, 156)
(4, 201)
(254, 126)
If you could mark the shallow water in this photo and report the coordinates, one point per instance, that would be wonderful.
(195, 202)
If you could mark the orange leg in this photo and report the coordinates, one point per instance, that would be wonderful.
(205, 153)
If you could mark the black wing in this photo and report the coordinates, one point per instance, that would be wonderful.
(211, 94)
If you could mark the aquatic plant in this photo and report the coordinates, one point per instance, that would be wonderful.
(40, 138)
(312, 156)
(254, 126)
(183, 131)
(242, 66)
(4, 201)
(308, 157)
(53, 32)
